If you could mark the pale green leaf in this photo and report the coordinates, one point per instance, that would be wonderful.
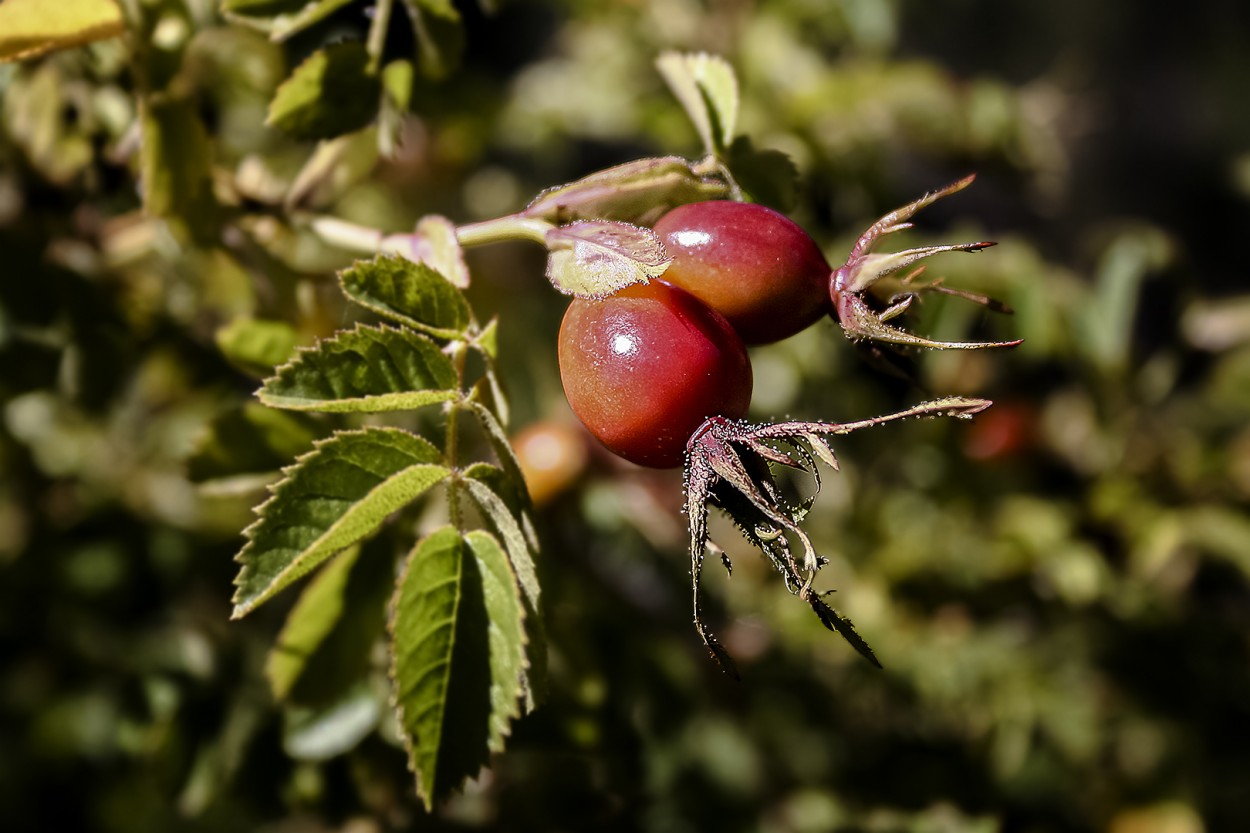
(708, 91)
(331, 93)
(413, 294)
(331, 498)
(457, 632)
(594, 258)
(32, 27)
(318, 734)
(256, 345)
(324, 647)
(280, 18)
(368, 369)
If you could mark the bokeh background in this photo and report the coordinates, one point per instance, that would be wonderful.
(1059, 591)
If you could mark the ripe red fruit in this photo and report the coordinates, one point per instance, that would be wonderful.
(643, 368)
(751, 264)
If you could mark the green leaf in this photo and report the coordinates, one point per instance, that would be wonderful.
(324, 647)
(708, 91)
(280, 18)
(256, 345)
(516, 533)
(440, 37)
(333, 729)
(397, 77)
(409, 293)
(329, 94)
(29, 28)
(510, 466)
(175, 160)
(251, 439)
(458, 653)
(767, 176)
(594, 258)
(331, 498)
(368, 369)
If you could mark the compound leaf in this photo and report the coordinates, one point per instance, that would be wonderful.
(332, 497)
(368, 369)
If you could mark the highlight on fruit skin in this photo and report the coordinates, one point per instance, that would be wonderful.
(753, 265)
(644, 367)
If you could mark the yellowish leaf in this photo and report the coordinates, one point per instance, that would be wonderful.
(32, 27)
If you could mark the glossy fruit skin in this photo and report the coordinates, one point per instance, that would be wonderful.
(753, 265)
(643, 368)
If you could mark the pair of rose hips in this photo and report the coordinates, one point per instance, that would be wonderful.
(644, 368)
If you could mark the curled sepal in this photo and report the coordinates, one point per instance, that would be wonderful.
(594, 258)
(727, 464)
(859, 321)
(863, 269)
(634, 192)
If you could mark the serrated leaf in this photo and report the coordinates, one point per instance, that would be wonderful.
(280, 18)
(457, 657)
(408, 293)
(251, 439)
(29, 28)
(634, 192)
(318, 734)
(330, 94)
(365, 370)
(708, 91)
(256, 345)
(434, 244)
(324, 647)
(331, 498)
(509, 465)
(440, 36)
(594, 258)
(516, 534)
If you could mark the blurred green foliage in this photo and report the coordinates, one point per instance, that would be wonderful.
(1059, 591)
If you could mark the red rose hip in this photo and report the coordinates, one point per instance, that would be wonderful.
(644, 367)
(751, 264)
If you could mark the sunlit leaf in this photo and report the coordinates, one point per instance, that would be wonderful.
(458, 641)
(32, 27)
(318, 734)
(368, 369)
(331, 93)
(408, 293)
(331, 498)
(594, 258)
(708, 91)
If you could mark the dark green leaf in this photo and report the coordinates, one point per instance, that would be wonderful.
(767, 176)
(325, 645)
(457, 633)
(175, 159)
(329, 94)
(251, 439)
(440, 37)
(368, 369)
(331, 498)
(409, 293)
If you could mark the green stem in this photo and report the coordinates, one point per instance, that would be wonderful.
(511, 227)
(377, 33)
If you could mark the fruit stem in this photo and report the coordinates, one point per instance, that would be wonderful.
(511, 227)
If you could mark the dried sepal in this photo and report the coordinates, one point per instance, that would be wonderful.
(727, 465)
